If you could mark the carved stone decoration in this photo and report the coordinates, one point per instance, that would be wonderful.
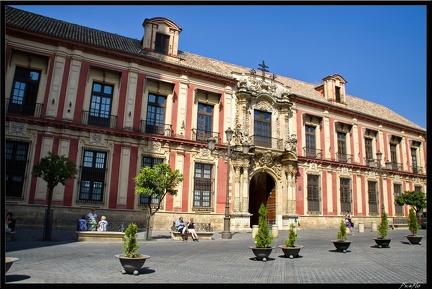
(154, 146)
(17, 128)
(203, 152)
(291, 143)
(96, 138)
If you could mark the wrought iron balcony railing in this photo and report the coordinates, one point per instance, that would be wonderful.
(343, 158)
(34, 109)
(203, 136)
(164, 129)
(109, 121)
(267, 142)
(312, 153)
(393, 166)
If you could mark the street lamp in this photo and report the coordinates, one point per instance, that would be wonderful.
(226, 233)
(379, 157)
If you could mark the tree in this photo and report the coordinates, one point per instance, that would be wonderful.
(53, 169)
(156, 182)
(263, 239)
(415, 199)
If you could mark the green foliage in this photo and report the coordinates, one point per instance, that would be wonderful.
(263, 239)
(54, 169)
(412, 222)
(415, 199)
(342, 234)
(383, 226)
(292, 236)
(130, 242)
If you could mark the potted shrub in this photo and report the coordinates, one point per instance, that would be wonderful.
(342, 242)
(414, 238)
(382, 241)
(263, 239)
(130, 259)
(291, 250)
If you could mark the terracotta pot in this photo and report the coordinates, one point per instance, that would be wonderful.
(414, 239)
(262, 254)
(9, 261)
(341, 246)
(132, 265)
(291, 252)
(382, 242)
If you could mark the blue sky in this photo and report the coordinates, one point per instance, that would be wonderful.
(379, 49)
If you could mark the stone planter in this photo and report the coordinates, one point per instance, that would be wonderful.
(291, 252)
(9, 261)
(132, 265)
(262, 254)
(382, 242)
(341, 246)
(414, 239)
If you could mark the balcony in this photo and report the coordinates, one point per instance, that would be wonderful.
(417, 170)
(267, 142)
(203, 136)
(393, 166)
(312, 153)
(343, 158)
(156, 128)
(24, 109)
(109, 121)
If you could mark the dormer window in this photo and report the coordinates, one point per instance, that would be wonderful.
(333, 88)
(162, 43)
(338, 94)
(161, 35)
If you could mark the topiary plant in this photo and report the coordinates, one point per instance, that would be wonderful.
(412, 222)
(292, 236)
(263, 239)
(342, 234)
(383, 226)
(130, 241)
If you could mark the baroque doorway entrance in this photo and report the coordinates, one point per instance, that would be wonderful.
(262, 190)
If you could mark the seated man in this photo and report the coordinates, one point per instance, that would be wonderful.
(179, 227)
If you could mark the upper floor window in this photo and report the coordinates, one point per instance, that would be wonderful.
(148, 161)
(368, 149)
(341, 145)
(100, 105)
(338, 94)
(92, 176)
(162, 43)
(155, 120)
(24, 91)
(262, 128)
(205, 122)
(203, 188)
(414, 160)
(16, 162)
(310, 141)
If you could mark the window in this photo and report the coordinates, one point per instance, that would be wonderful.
(24, 91)
(16, 161)
(368, 149)
(414, 160)
(203, 181)
(418, 188)
(92, 176)
(310, 141)
(338, 94)
(397, 192)
(341, 142)
(393, 156)
(313, 192)
(155, 114)
(372, 195)
(100, 105)
(205, 122)
(345, 194)
(162, 43)
(148, 161)
(262, 128)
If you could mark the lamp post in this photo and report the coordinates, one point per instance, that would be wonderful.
(226, 233)
(379, 157)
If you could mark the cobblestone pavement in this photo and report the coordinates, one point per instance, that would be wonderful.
(65, 260)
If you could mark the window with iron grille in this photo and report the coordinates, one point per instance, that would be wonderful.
(24, 91)
(162, 43)
(155, 120)
(397, 192)
(262, 128)
(205, 122)
(418, 188)
(368, 149)
(203, 180)
(372, 195)
(310, 141)
(100, 105)
(345, 194)
(92, 176)
(148, 161)
(313, 193)
(16, 162)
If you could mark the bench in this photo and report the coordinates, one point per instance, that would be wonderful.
(399, 223)
(115, 233)
(10, 236)
(204, 231)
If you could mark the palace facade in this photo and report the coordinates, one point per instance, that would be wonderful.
(113, 104)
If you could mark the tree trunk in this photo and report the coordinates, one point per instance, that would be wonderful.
(48, 224)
